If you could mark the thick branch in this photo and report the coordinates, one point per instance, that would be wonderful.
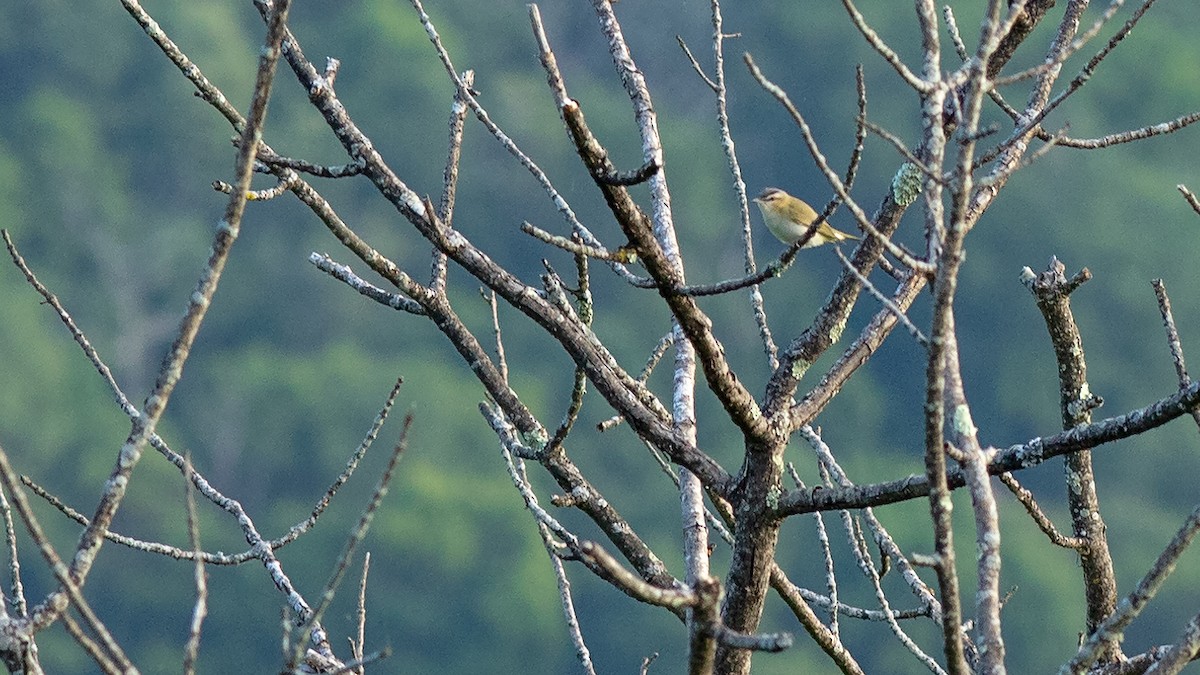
(1052, 291)
(737, 401)
(1013, 458)
(1031, 15)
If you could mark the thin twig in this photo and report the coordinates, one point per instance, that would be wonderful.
(312, 621)
(90, 647)
(191, 649)
(14, 564)
(757, 306)
(827, 553)
(898, 143)
(271, 158)
(621, 255)
(548, 528)
(281, 186)
(585, 497)
(1025, 497)
(1173, 341)
(888, 54)
(497, 335)
(1039, 113)
(457, 125)
(466, 93)
(359, 644)
(883, 299)
(656, 354)
(1182, 652)
(696, 66)
(864, 560)
(1132, 605)
(365, 288)
(200, 300)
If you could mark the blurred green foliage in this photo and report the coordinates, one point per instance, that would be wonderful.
(105, 165)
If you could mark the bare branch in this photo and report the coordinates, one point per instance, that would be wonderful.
(344, 274)
(548, 527)
(737, 401)
(835, 476)
(1052, 290)
(696, 64)
(17, 588)
(883, 300)
(465, 92)
(1025, 497)
(1182, 652)
(839, 187)
(359, 644)
(312, 621)
(622, 255)
(857, 354)
(1191, 198)
(589, 500)
(1173, 341)
(1132, 605)
(191, 650)
(947, 172)
(824, 637)
(458, 116)
(104, 650)
(272, 159)
(1012, 458)
(885, 51)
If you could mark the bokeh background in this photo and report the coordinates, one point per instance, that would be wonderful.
(106, 161)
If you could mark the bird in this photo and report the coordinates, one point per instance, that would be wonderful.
(789, 218)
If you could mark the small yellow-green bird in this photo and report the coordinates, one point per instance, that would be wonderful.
(788, 218)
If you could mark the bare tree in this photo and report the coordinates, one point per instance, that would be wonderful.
(949, 175)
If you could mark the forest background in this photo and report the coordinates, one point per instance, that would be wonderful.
(106, 165)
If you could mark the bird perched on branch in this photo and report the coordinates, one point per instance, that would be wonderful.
(789, 218)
